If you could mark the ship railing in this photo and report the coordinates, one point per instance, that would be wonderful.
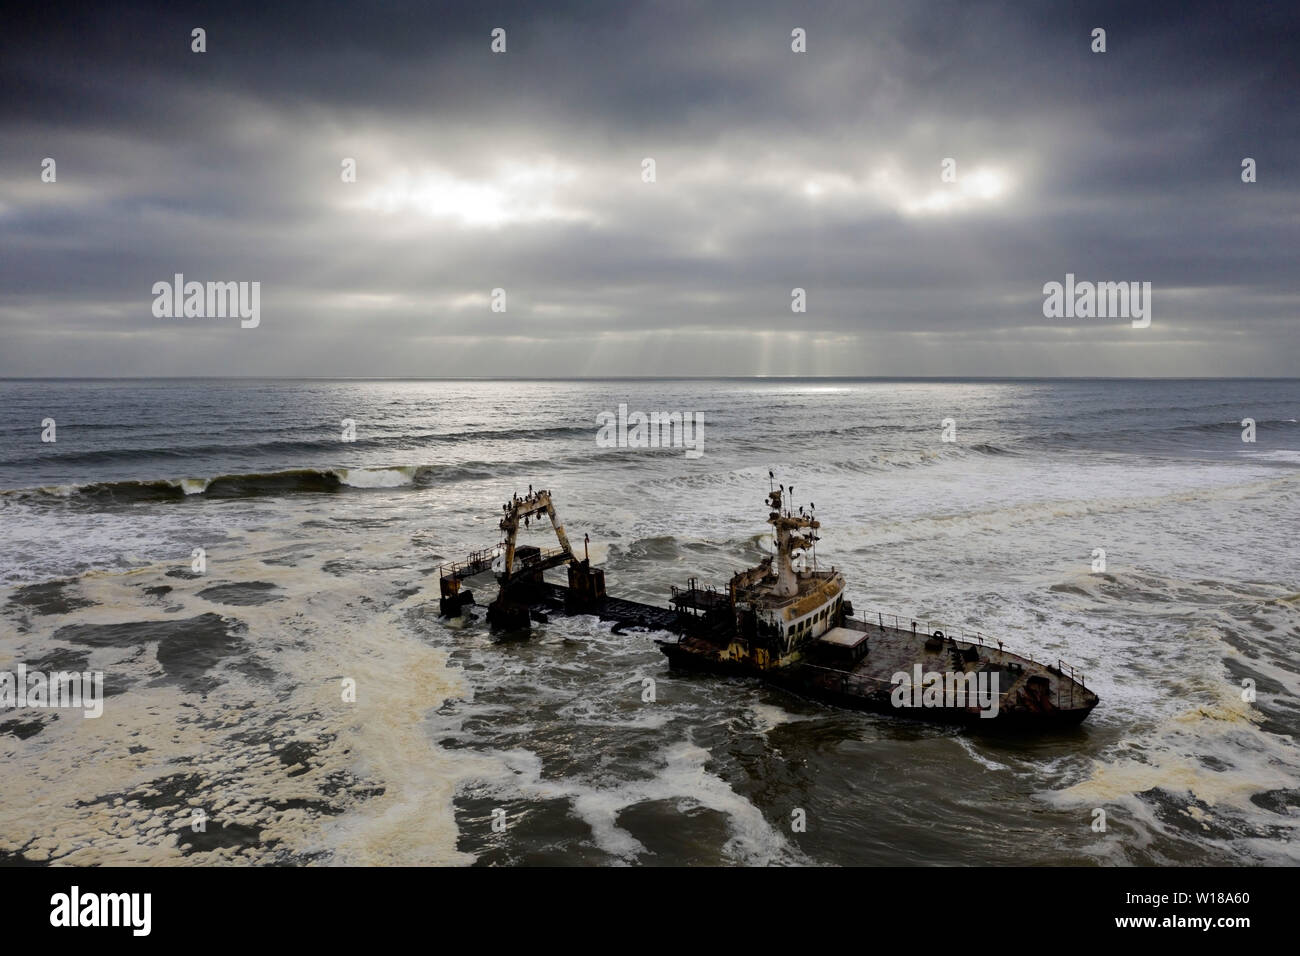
(545, 554)
(974, 637)
(695, 598)
(475, 559)
(850, 679)
(694, 589)
(1062, 667)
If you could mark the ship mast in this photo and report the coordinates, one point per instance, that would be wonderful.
(535, 504)
(794, 535)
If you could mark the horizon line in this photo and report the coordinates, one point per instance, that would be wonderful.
(647, 378)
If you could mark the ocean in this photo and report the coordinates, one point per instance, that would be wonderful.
(239, 562)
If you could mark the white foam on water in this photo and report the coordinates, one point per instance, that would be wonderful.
(1278, 454)
(1210, 754)
(376, 477)
(768, 717)
(371, 760)
(973, 751)
(680, 778)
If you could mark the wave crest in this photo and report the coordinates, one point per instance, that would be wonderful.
(250, 484)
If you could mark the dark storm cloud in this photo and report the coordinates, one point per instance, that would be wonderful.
(775, 170)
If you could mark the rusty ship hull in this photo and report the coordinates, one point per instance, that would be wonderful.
(1030, 695)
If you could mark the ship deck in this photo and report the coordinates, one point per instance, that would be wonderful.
(892, 650)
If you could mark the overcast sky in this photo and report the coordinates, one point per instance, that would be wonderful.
(774, 170)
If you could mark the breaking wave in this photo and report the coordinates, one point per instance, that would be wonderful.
(288, 481)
